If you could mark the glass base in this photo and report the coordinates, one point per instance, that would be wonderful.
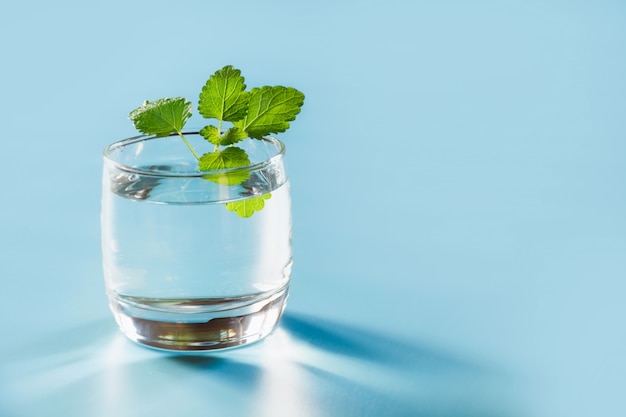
(198, 324)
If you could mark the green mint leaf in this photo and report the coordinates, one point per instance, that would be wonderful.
(233, 135)
(231, 157)
(161, 117)
(270, 110)
(211, 134)
(247, 208)
(224, 96)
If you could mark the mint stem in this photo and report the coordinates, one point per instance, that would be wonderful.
(189, 145)
(219, 132)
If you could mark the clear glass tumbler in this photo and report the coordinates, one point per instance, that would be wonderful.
(183, 270)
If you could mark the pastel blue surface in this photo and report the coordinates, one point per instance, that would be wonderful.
(458, 186)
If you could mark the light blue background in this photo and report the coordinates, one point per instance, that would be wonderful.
(458, 185)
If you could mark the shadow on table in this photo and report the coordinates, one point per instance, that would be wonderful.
(367, 345)
(388, 375)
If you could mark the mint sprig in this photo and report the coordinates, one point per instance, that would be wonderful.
(251, 114)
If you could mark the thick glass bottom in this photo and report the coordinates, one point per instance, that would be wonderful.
(198, 324)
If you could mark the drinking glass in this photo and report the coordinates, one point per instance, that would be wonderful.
(184, 270)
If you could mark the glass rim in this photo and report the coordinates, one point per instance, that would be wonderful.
(106, 153)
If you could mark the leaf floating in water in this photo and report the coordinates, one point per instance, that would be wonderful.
(246, 208)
